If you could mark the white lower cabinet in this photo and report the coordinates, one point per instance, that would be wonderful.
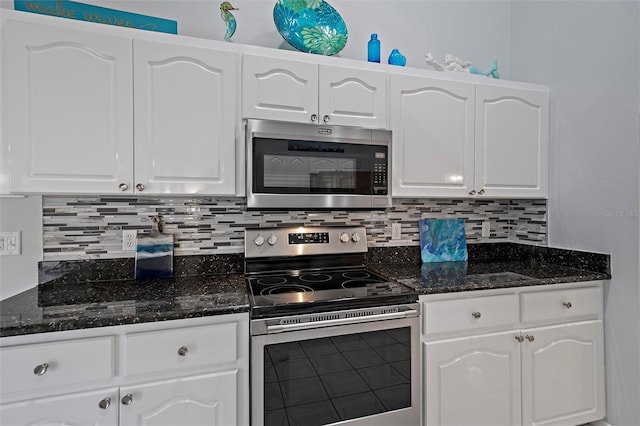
(547, 371)
(199, 400)
(197, 374)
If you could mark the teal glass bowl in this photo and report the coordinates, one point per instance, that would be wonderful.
(311, 26)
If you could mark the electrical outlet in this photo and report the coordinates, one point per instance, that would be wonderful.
(396, 231)
(129, 239)
(10, 243)
(486, 229)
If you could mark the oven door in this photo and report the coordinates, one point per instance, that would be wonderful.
(366, 373)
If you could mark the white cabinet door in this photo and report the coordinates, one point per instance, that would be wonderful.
(69, 109)
(563, 374)
(185, 119)
(209, 399)
(97, 408)
(277, 89)
(433, 147)
(352, 97)
(472, 381)
(512, 142)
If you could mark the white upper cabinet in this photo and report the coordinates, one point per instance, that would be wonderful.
(512, 141)
(462, 139)
(185, 110)
(73, 127)
(69, 109)
(305, 92)
(433, 147)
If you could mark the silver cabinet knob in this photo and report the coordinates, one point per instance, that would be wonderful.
(105, 403)
(472, 192)
(476, 315)
(529, 338)
(520, 339)
(140, 187)
(127, 399)
(41, 369)
(481, 192)
(183, 351)
(567, 305)
(326, 118)
(314, 117)
(123, 187)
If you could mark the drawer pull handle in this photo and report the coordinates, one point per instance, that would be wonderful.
(41, 369)
(520, 339)
(529, 338)
(183, 351)
(105, 403)
(476, 315)
(127, 399)
(567, 305)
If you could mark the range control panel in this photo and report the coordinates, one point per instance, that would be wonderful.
(305, 240)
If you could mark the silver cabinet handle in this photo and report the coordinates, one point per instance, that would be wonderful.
(326, 118)
(127, 399)
(314, 117)
(183, 351)
(567, 305)
(520, 339)
(481, 192)
(140, 187)
(123, 187)
(41, 369)
(472, 192)
(529, 338)
(476, 315)
(105, 403)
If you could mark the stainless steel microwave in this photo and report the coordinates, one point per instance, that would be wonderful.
(306, 166)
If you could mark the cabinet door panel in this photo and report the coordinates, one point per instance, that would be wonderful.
(277, 89)
(200, 400)
(69, 109)
(353, 97)
(185, 107)
(472, 381)
(563, 377)
(433, 148)
(73, 409)
(512, 142)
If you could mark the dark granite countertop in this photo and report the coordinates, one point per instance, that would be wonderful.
(79, 295)
(492, 266)
(98, 293)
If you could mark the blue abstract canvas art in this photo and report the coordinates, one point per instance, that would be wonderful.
(442, 240)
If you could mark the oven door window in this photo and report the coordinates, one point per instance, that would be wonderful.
(305, 167)
(332, 379)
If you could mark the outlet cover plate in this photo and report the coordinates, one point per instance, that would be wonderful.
(129, 239)
(11, 243)
(396, 231)
(486, 229)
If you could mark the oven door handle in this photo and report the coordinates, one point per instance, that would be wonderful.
(280, 328)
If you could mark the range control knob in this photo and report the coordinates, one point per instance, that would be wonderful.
(344, 237)
(258, 240)
(272, 240)
(355, 237)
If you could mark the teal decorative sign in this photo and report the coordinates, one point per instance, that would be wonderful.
(100, 15)
(442, 240)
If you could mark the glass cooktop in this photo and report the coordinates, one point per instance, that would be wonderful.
(296, 292)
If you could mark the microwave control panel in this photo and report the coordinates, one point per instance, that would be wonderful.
(380, 177)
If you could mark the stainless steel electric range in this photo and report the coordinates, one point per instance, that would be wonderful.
(331, 341)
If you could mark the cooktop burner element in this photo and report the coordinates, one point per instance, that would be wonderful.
(314, 269)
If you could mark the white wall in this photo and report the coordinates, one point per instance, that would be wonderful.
(589, 53)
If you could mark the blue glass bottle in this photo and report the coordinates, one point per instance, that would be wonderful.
(397, 58)
(373, 49)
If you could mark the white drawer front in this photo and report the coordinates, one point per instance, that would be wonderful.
(490, 312)
(59, 363)
(181, 348)
(561, 304)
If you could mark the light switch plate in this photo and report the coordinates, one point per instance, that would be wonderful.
(396, 231)
(486, 229)
(10, 243)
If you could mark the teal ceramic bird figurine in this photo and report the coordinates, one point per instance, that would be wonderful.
(227, 17)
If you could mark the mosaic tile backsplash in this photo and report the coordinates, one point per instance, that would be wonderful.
(91, 227)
